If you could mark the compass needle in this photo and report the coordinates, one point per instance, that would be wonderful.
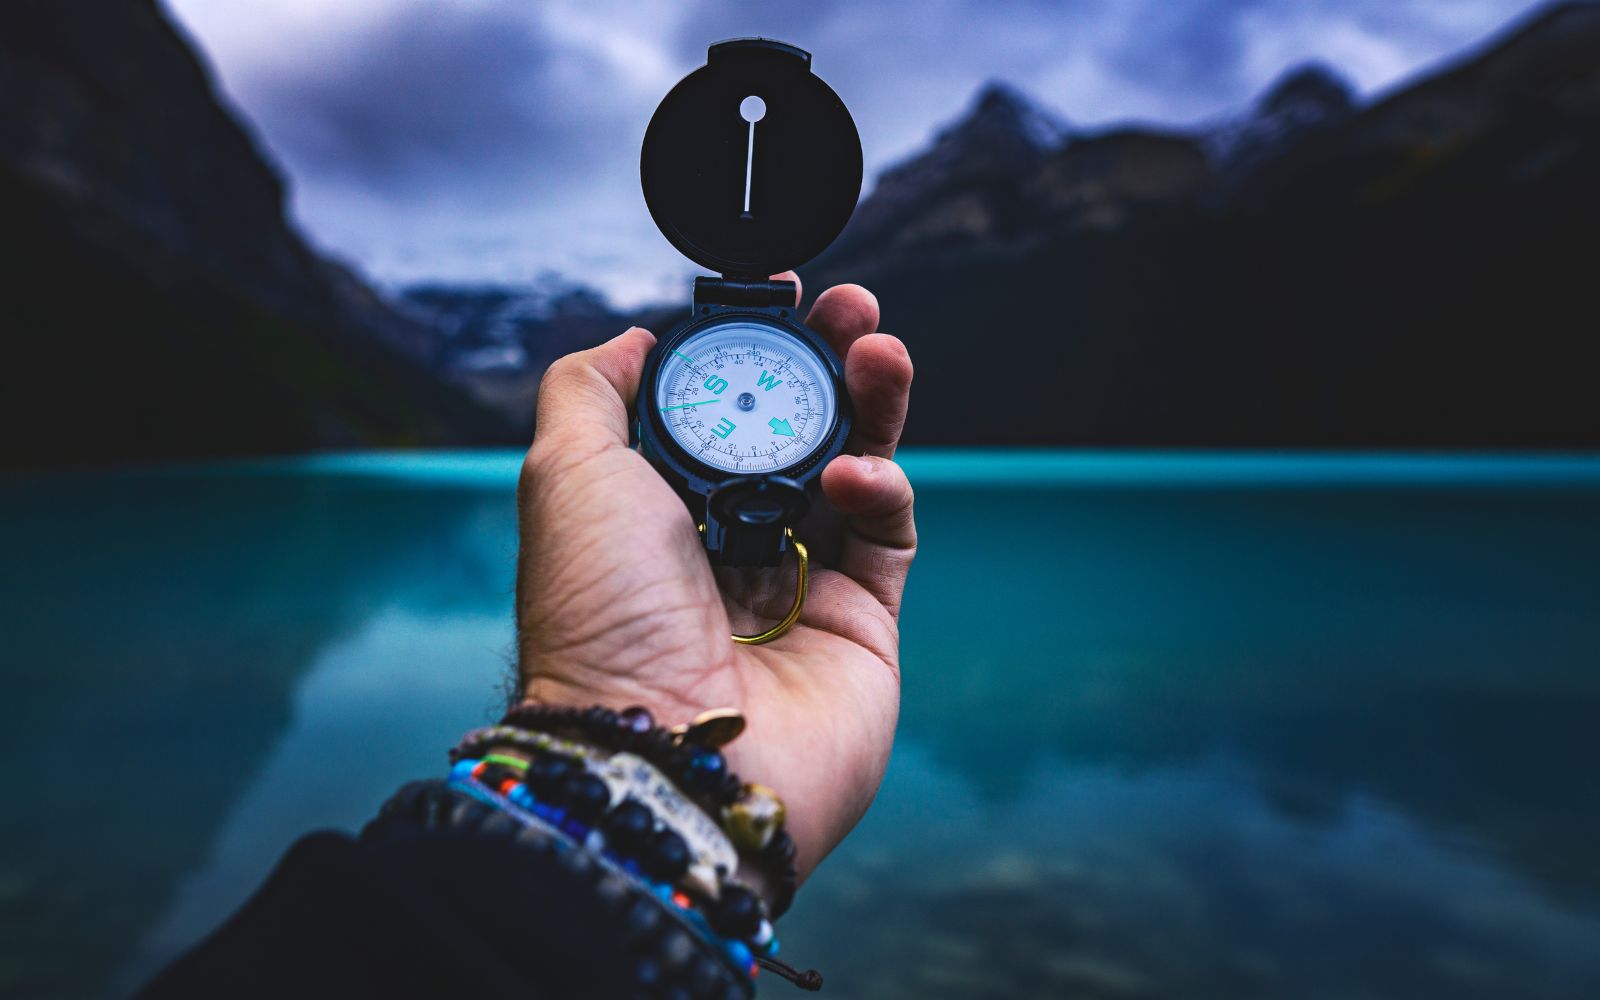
(683, 406)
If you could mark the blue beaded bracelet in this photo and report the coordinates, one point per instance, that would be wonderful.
(513, 797)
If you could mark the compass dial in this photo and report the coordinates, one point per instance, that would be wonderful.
(746, 398)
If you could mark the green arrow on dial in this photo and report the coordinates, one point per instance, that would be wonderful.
(780, 427)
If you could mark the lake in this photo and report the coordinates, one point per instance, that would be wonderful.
(1174, 726)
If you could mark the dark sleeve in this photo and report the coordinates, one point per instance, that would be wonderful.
(462, 903)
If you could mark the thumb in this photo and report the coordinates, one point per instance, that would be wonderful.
(589, 395)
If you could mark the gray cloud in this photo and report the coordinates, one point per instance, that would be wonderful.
(491, 139)
(1192, 47)
(435, 97)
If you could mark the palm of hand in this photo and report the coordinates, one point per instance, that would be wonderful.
(618, 605)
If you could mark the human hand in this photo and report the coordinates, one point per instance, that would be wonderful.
(618, 605)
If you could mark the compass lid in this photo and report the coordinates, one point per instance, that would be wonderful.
(747, 187)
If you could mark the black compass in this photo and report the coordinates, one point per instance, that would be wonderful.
(751, 166)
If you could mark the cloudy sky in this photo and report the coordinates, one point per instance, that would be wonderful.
(492, 140)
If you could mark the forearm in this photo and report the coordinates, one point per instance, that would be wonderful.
(441, 911)
(571, 852)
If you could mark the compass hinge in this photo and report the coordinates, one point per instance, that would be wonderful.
(741, 292)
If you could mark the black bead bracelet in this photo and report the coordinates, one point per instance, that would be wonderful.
(634, 731)
(701, 772)
(631, 832)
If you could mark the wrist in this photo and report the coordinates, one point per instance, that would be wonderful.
(692, 764)
(577, 677)
(547, 691)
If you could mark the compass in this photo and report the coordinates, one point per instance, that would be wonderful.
(750, 166)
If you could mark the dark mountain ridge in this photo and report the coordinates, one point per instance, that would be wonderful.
(158, 302)
(1408, 274)
(1412, 272)
(1305, 100)
(496, 340)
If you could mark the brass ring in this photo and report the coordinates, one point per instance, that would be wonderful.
(801, 582)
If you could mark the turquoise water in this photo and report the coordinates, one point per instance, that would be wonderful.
(1230, 726)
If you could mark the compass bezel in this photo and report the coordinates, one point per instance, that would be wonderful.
(701, 477)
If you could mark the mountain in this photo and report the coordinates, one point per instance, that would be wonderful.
(1410, 273)
(495, 341)
(1304, 101)
(157, 301)
(1316, 272)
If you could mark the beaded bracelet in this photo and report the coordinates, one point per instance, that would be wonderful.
(751, 814)
(625, 776)
(668, 953)
(628, 837)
